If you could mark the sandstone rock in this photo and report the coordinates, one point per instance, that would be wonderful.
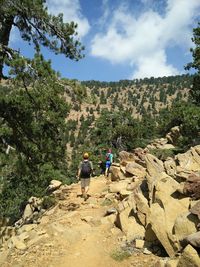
(124, 193)
(192, 239)
(109, 219)
(123, 155)
(170, 166)
(116, 187)
(185, 224)
(26, 228)
(161, 229)
(136, 169)
(27, 212)
(54, 184)
(173, 135)
(146, 251)
(190, 160)
(142, 207)
(123, 169)
(196, 209)
(116, 174)
(182, 174)
(171, 263)
(139, 243)
(16, 243)
(189, 258)
(129, 225)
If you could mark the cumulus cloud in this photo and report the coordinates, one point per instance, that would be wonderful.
(71, 12)
(142, 41)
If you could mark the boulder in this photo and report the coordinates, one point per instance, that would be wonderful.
(196, 209)
(142, 207)
(136, 169)
(126, 156)
(116, 187)
(192, 239)
(54, 185)
(173, 135)
(130, 225)
(116, 174)
(161, 229)
(170, 166)
(184, 225)
(189, 258)
(190, 160)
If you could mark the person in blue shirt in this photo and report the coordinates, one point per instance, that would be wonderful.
(109, 161)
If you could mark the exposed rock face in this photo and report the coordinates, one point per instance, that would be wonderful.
(160, 208)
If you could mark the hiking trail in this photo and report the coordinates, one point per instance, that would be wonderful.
(76, 233)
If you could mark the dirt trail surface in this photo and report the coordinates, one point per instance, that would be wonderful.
(76, 233)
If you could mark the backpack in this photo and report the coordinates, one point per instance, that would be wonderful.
(108, 157)
(86, 169)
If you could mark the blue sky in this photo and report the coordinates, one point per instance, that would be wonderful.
(124, 39)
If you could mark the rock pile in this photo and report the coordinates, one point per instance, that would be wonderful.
(159, 202)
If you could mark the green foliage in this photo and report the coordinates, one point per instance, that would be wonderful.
(162, 154)
(48, 202)
(185, 115)
(195, 92)
(33, 113)
(120, 255)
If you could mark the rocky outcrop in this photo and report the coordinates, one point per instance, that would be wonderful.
(160, 201)
(153, 202)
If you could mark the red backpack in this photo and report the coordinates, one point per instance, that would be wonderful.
(108, 157)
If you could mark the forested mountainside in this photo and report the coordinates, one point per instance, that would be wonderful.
(99, 109)
(48, 124)
(138, 96)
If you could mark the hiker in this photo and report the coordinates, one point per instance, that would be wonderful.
(109, 161)
(102, 166)
(85, 170)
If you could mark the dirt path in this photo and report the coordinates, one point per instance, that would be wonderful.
(76, 234)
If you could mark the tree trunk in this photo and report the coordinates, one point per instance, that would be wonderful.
(5, 29)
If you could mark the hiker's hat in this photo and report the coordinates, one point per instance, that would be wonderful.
(85, 155)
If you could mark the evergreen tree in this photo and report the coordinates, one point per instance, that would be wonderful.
(36, 26)
(195, 92)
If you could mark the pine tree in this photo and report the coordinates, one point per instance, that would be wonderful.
(195, 92)
(38, 27)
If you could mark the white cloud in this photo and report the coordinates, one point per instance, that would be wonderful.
(142, 42)
(71, 12)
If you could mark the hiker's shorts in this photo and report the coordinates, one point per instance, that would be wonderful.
(108, 164)
(85, 182)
